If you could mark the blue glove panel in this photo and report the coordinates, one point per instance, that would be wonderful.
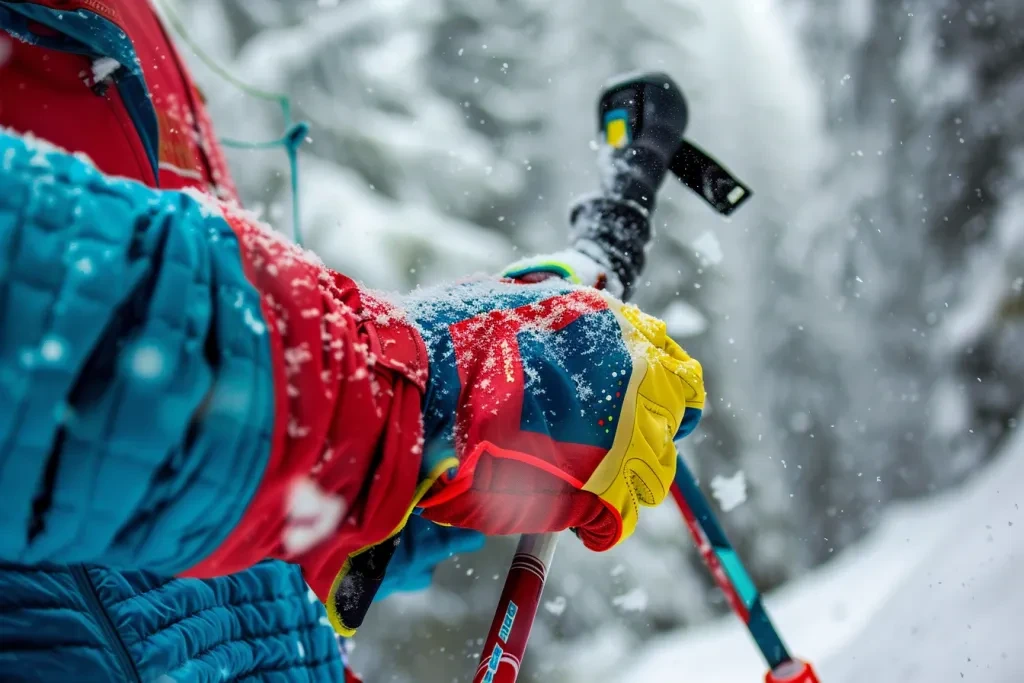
(423, 546)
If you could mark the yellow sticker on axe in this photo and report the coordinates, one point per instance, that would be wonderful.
(616, 128)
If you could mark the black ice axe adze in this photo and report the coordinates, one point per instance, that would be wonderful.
(630, 111)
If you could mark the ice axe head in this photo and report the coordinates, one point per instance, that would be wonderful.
(643, 109)
(643, 116)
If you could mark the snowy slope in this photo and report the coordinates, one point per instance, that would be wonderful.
(958, 617)
(931, 596)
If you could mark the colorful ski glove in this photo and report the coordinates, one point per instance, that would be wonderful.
(560, 404)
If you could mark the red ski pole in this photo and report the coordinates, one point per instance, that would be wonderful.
(732, 578)
(517, 608)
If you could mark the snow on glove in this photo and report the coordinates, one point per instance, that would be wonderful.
(560, 403)
(547, 406)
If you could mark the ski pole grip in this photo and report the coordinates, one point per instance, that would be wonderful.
(520, 599)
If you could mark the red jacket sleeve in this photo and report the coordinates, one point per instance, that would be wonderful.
(348, 428)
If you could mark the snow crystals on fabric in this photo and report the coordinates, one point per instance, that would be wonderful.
(103, 68)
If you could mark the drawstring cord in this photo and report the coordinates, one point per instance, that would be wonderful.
(295, 132)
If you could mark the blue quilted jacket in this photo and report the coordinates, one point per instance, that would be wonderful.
(88, 480)
(80, 623)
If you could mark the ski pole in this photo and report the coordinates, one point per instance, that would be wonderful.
(517, 608)
(625, 103)
(734, 581)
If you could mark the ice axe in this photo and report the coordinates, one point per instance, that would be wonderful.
(636, 114)
(636, 110)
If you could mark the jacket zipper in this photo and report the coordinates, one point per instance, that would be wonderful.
(97, 609)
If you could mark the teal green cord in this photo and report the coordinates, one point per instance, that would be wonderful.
(290, 141)
(295, 133)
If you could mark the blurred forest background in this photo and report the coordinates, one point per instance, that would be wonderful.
(860, 322)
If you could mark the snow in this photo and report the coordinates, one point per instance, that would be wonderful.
(253, 322)
(103, 68)
(84, 265)
(556, 606)
(709, 248)
(633, 601)
(932, 595)
(730, 492)
(313, 514)
(52, 349)
(683, 320)
(147, 361)
(957, 616)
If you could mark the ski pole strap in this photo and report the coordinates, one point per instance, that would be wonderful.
(709, 179)
(726, 567)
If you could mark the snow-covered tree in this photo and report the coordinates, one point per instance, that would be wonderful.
(921, 216)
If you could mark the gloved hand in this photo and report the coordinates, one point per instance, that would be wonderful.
(560, 403)
(548, 406)
(422, 546)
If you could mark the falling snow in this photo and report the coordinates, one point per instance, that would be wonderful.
(633, 601)
(730, 492)
(313, 514)
(557, 605)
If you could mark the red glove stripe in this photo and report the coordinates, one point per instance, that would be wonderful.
(464, 479)
(531, 460)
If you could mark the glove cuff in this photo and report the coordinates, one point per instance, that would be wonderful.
(585, 264)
